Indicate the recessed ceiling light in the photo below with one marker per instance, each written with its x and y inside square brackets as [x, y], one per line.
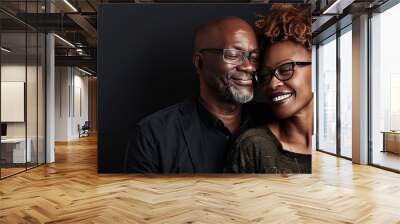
[65, 41]
[70, 5]
[84, 71]
[5, 50]
[337, 7]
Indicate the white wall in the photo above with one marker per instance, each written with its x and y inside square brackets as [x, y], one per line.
[12, 73]
[62, 81]
[71, 102]
[81, 104]
[16, 73]
[33, 126]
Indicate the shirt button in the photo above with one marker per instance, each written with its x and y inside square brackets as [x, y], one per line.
[227, 137]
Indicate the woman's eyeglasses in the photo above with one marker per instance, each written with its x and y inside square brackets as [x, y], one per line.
[283, 72]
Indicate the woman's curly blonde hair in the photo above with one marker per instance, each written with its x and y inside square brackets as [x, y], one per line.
[286, 22]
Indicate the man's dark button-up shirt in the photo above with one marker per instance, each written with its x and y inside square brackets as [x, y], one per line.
[215, 138]
[183, 138]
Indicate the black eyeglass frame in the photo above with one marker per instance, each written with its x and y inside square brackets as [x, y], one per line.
[246, 54]
[275, 72]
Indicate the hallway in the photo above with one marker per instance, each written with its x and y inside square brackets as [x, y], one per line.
[71, 191]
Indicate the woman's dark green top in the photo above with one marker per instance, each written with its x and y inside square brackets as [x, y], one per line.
[257, 150]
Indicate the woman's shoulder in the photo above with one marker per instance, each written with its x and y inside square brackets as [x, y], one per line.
[260, 138]
[253, 151]
[255, 132]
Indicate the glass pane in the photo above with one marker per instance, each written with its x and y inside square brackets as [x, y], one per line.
[385, 84]
[80, 100]
[31, 100]
[13, 86]
[327, 96]
[41, 98]
[31, 85]
[346, 94]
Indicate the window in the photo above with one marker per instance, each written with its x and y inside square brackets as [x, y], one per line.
[326, 107]
[346, 92]
[385, 88]
[22, 102]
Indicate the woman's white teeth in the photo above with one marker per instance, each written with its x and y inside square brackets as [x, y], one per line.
[281, 97]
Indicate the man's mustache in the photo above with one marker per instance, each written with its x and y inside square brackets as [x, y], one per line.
[241, 75]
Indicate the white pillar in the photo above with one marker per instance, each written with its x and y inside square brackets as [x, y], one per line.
[360, 90]
[50, 100]
[50, 92]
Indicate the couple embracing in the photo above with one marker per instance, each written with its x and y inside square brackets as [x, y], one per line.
[222, 129]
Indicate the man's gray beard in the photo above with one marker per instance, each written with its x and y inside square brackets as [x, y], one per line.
[233, 95]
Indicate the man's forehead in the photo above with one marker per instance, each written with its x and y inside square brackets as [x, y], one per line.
[240, 39]
[223, 32]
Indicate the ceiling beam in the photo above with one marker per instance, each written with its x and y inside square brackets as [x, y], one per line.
[86, 26]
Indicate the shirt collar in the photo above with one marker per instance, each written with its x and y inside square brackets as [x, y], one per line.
[213, 122]
[206, 116]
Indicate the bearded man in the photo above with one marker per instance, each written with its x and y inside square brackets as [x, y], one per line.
[192, 136]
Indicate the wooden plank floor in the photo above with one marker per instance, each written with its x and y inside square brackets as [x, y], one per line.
[10, 171]
[71, 191]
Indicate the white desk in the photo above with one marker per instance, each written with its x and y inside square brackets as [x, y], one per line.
[18, 149]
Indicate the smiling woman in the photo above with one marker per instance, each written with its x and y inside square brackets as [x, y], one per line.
[283, 145]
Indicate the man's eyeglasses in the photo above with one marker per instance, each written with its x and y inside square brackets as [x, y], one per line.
[283, 72]
[234, 56]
